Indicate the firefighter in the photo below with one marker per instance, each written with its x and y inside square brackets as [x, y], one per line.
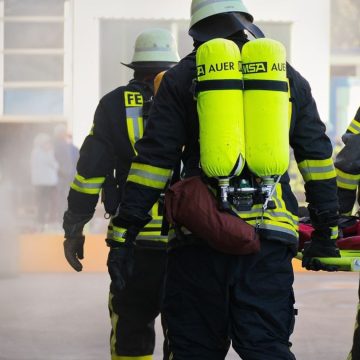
[104, 163]
[213, 298]
[347, 166]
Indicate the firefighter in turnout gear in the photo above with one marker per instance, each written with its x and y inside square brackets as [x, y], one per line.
[214, 298]
[347, 166]
[104, 163]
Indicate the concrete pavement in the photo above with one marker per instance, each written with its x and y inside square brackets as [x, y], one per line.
[63, 316]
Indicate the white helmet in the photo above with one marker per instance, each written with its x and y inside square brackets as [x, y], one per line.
[231, 17]
[154, 48]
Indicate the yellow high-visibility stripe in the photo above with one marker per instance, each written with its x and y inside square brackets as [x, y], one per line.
[317, 169]
[135, 126]
[334, 232]
[154, 212]
[114, 324]
[354, 127]
[131, 133]
[157, 238]
[149, 175]
[87, 186]
[347, 181]
[134, 121]
[116, 233]
[114, 318]
[278, 219]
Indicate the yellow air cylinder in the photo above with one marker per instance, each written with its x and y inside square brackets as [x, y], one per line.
[266, 107]
[220, 108]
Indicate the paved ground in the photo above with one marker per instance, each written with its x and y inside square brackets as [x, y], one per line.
[56, 316]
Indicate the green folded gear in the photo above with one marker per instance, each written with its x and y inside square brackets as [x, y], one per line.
[349, 260]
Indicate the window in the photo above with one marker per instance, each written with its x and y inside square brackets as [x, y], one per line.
[34, 8]
[33, 58]
[19, 35]
[33, 67]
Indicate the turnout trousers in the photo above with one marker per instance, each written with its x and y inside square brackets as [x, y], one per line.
[213, 300]
[133, 310]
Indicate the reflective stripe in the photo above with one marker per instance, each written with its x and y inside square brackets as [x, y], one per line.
[134, 121]
[334, 232]
[116, 233]
[354, 127]
[135, 125]
[154, 222]
[267, 225]
[158, 238]
[114, 322]
[347, 181]
[148, 175]
[317, 169]
[279, 219]
[87, 186]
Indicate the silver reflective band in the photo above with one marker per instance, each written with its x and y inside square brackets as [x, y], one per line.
[146, 175]
[316, 169]
[344, 180]
[87, 185]
[278, 228]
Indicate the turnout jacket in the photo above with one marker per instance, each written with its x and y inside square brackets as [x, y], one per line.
[173, 132]
[107, 152]
[347, 166]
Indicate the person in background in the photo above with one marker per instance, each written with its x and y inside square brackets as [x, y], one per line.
[64, 157]
[44, 178]
[347, 166]
[74, 152]
[105, 158]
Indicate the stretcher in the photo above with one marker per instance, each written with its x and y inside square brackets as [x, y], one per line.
[348, 243]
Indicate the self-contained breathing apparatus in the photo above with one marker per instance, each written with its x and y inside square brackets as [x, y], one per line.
[243, 108]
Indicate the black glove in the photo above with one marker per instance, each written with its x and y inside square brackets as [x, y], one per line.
[321, 244]
[121, 255]
[120, 260]
[73, 225]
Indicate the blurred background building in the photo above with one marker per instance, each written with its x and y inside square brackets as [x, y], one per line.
[58, 57]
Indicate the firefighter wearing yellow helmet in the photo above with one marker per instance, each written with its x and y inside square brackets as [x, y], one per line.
[137, 274]
[230, 111]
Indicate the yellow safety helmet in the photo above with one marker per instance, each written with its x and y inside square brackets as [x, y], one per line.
[154, 49]
[220, 18]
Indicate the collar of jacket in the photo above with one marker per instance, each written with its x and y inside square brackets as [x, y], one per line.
[240, 38]
[145, 88]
